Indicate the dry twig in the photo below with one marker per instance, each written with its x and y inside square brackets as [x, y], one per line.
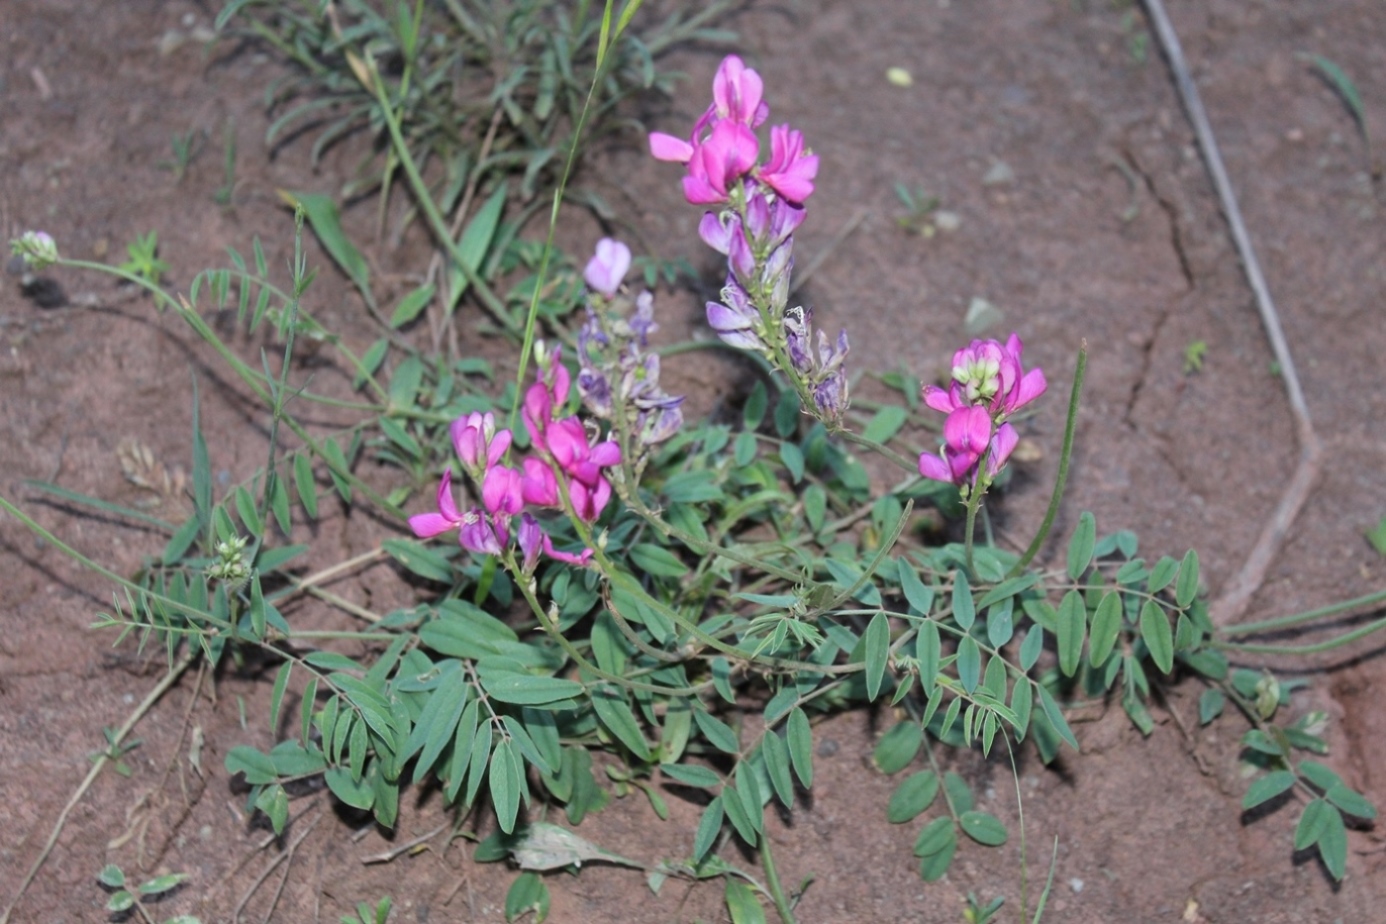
[1236, 596]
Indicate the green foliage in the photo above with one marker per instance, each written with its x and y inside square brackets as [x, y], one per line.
[127, 897]
[144, 261]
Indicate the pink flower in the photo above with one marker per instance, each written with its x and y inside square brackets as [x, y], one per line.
[428, 525]
[607, 267]
[966, 436]
[477, 442]
[501, 491]
[546, 397]
[1002, 444]
[987, 373]
[791, 169]
[581, 559]
[728, 154]
[538, 485]
[668, 148]
[530, 538]
[736, 93]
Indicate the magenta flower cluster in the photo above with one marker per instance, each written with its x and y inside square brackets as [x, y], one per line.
[988, 385]
[759, 208]
[562, 450]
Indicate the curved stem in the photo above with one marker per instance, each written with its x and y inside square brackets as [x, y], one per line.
[881, 449]
[1285, 622]
[1339, 641]
[1064, 458]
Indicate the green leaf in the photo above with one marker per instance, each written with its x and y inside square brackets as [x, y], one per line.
[1080, 547]
[657, 560]
[959, 795]
[1032, 647]
[356, 793]
[1158, 638]
[915, 793]
[527, 689]
[815, 506]
[274, 802]
[969, 663]
[692, 775]
[984, 828]
[292, 759]
[919, 595]
[1311, 823]
[928, 649]
[121, 901]
[506, 778]
[326, 223]
[528, 892]
[111, 876]
[1055, 715]
[709, 826]
[934, 866]
[307, 488]
[718, 734]
[793, 458]
[1106, 628]
[776, 754]
[1332, 842]
[257, 767]
[935, 837]
[281, 681]
[964, 607]
[412, 305]
[370, 361]
[877, 640]
[1267, 788]
[744, 448]
[1161, 575]
[787, 413]
[756, 403]
[885, 424]
[1350, 801]
[799, 737]
[1186, 589]
[1210, 705]
[1345, 88]
[437, 724]
[897, 747]
[1022, 701]
[737, 813]
[1321, 776]
[420, 559]
[1377, 536]
[742, 904]
[616, 715]
[1072, 624]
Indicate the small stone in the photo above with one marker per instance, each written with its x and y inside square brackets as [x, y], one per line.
[1000, 174]
[947, 222]
[981, 316]
[1294, 135]
[899, 77]
[827, 747]
[1075, 884]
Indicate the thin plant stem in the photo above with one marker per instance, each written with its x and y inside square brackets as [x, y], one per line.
[1065, 456]
[973, 503]
[1285, 622]
[772, 881]
[1347, 638]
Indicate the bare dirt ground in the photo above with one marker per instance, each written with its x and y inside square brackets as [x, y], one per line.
[1101, 225]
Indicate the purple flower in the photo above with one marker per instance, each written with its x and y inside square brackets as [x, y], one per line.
[580, 559]
[1002, 444]
[530, 538]
[771, 223]
[797, 338]
[479, 535]
[607, 267]
[428, 525]
[735, 319]
[791, 169]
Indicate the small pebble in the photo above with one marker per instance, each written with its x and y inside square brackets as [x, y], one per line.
[899, 77]
[1076, 884]
[1000, 174]
[827, 748]
[947, 221]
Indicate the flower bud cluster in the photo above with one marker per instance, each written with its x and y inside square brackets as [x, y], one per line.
[564, 462]
[758, 208]
[619, 378]
[988, 385]
[37, 248]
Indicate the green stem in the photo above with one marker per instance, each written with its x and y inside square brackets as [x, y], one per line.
[1347, 638]
[1285, 622]
[885, 451]
[973, 503]
[772, 882]
[1064, 458]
